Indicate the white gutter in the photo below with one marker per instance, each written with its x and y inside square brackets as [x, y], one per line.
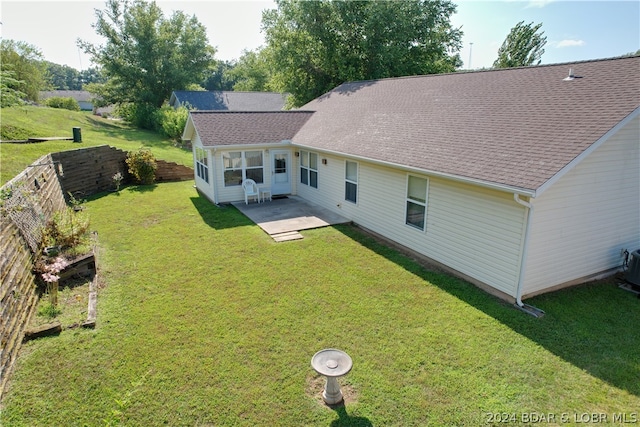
[536, 312]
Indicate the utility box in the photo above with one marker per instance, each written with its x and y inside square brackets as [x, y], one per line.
[77, 135]
[633, 272]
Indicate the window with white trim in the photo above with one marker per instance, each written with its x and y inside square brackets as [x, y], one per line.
[202, 164]
[309, 169]
[351, 181]
[416, 213]
[241, 165]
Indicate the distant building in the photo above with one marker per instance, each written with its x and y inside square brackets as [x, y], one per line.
[83, 97]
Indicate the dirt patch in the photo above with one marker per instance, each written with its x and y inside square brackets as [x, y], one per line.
[315, 386]
[73, 300]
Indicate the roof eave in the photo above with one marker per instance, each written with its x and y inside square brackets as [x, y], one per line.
[277, 144]
[458, 178]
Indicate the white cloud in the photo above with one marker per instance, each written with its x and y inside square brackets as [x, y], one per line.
[539, 4]
[570, 43]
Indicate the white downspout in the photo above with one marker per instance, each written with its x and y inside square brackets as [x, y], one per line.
[527, 308]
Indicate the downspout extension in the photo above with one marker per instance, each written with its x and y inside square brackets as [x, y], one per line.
[529, 309]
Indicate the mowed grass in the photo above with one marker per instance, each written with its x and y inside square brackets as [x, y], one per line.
[205, 320]
[31, 121]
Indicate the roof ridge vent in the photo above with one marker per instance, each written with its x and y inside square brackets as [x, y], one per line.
[570, 77]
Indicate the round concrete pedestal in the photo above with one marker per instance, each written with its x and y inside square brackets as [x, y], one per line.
[331, 363]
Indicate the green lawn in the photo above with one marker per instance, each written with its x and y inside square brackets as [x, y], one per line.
[205, 320]
[23, 122]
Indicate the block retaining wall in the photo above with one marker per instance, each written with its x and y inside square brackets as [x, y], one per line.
[29, 201]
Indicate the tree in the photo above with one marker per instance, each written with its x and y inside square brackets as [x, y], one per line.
[313, 46]
[25, 62]
[523, 46]
[219, 78]
[9, 94]
[251, 72]
[146, 56]
[63, 77]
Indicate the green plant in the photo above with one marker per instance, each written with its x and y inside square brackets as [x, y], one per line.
[117, 179]
[48, 310]
[173, 121]
[64, 103]
[68, 229]
[142, 165]
[51, 277]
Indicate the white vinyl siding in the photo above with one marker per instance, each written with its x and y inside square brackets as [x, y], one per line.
[581, 223]
[476, 231]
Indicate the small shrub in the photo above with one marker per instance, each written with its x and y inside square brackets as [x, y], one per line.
[68, 229]
[60, 102]
[117, 180]
[142, 165]
[173, 121]
[48, 311]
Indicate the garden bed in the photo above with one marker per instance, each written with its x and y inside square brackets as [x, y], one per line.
[77, 297]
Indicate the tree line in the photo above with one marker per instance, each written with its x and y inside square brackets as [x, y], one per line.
[311, 47]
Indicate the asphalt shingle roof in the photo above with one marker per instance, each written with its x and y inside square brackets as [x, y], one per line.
[218, 128]
[231, 101]
[516, 127]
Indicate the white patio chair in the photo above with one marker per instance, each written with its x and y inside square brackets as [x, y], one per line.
[250, 190]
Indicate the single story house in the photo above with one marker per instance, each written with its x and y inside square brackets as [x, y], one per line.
[84, 99]
[228, 100]
[520, 180]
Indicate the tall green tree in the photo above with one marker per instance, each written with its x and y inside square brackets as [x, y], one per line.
[10, 95]
[251, 72]
[25, 63]
[523, 46]
[146, 56]
[219, 77]
[314, 46]
[63, 77]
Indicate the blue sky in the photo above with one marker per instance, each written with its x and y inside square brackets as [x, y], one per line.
[575, 30]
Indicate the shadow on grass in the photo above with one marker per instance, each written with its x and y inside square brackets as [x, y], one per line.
[346, 420]
[141, 188]
[219, 216]
[595, 326]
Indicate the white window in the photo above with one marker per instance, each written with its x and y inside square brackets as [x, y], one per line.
[202, 164]
[416, 214]
[351, 182]
[241, 165]
[309, 169]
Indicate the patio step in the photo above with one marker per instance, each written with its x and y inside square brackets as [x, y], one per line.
[289, 235]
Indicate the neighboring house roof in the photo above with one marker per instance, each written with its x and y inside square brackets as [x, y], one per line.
[217, 128]
[228, 100]
[78, 95]
[510, 127]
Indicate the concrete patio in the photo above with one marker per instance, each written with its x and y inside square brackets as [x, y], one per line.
[283, 218]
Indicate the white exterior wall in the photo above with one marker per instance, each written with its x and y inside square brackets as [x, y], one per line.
[478, 232]
[581, 223]
[206, 188]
